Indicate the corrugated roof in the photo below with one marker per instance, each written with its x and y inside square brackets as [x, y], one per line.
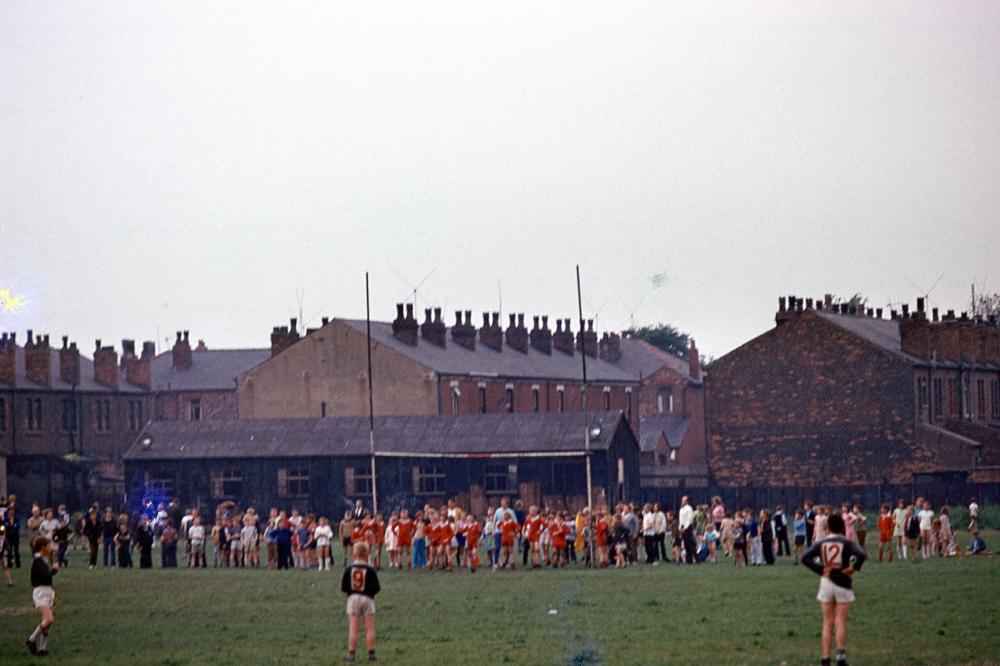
[87, 382]
[461, 434]
[457, 360]
[641, 358]
[211, 370]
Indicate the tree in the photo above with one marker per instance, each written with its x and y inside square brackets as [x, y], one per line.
[986, 305]
[663, 336]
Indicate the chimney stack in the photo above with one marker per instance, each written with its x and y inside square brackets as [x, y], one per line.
[128, 350]
[694, 362]
[586, 339]
[69, 362]
[182, 351]
[8, 355]
[517, 335]
[138, 370]
[106, 365]
[464, 334]
[610, 348]
[562, 339]
[541, 336]
[491, 334]
[404, 327]
[785, 308]
[37, 360]
[433, 329]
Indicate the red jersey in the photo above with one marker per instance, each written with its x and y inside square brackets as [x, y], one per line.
[602, 533]
[885, 527]
[357, 534]
[445, 532]
[472, 533]
[508, 531]
[379, 533]
[368, 526]
[405, 532]
[534, 524]
[559, 533]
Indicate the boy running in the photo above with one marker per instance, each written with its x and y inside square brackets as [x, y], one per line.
[43, 595]
[835, 558]
[360, 584]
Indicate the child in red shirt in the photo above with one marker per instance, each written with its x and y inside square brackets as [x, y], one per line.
[533, 532]
[508, 532]
[559, 531]
[601, 531]
[473, 530]
[885, 527]
[378, 540]
[446, 530]
[404, 532]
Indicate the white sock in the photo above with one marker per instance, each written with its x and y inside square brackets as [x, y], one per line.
[43, 641]
[35, 634]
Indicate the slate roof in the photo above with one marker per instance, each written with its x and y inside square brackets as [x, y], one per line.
[881, 332]
[87, 382]
[476, 434]
[457, 360]
[641, 358]
[211, 370]
[673, 427]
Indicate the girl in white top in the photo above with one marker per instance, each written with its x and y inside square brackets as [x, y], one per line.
[820, 531]
[926, 517]
[323, 534]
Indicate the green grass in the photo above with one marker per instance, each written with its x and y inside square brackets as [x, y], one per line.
[938, 612]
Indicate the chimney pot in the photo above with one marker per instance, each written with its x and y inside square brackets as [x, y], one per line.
[934, 314]
[97, 343]
[65, 341]
[437, 314]
[520, 320]
[31, 337]
[496, 320]
[399, 310]
[545, 322]
[409, 311]
[325, 320]
[486, 320]
[427, 315]
[781, 304]
[809, 304]
[468, 317]
[878, 313]
[185, 336]
[920, 304]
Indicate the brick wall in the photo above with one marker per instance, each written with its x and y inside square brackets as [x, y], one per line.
[215, 405]
[810, 403]
[468, 399]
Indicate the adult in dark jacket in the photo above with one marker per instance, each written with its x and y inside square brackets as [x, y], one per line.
[766, 537]
[109, 528]
[92, 532]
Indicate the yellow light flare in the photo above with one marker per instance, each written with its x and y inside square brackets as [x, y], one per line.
[11, 303]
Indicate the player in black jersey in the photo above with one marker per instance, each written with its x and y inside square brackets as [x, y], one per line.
[835, 558]
[43, 595]
[360, 584]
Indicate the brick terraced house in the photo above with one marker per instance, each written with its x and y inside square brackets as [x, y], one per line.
[837, 403]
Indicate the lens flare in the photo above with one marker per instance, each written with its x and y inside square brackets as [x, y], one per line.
[10, 302]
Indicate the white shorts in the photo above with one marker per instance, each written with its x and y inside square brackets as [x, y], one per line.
[360, 604]
[830, 592]
[43, 595]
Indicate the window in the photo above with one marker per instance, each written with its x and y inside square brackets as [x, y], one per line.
[922, 396]
[322, 409]
[102, 416]
[196, 410]
[981, 398]
[293, 482]
[994, 391]
[967, 398]
[607, 399]
[482, 399]
[3, 415]
[159, 485]
[664, 400]
[952, 398]
[500, 479]
[34, 415]
[535, 402]
[135, 415]
[560, 399]
[428, 480]
[358, 480]
[227, 483]
[509, 397]
[456, 402]
[662, 458]
[68, 413]
[938, 398]
[673, 454]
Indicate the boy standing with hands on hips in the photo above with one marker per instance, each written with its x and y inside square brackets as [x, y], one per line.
[360, 584]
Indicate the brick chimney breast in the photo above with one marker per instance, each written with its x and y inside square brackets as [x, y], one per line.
[8, 352]
[517, 334]
[37, 360]
[433, 329]
[562, 339]
[540, 336]
[464, 334]
[106, 365]
[405, 327]
[138, 370]
[694, 361]
[610, 348]
[586, 339]
[491, 335]
[69, 363]
[182, 352]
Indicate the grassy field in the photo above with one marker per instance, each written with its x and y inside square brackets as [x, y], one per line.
[937, 612]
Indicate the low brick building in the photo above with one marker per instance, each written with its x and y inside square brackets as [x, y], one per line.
[429, 368]
[842, 403]
[323, 465]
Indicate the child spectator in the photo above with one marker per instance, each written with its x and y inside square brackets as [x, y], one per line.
[196, 537]
[324, 540]
[885, 529]
[799, 527]
[123, 542]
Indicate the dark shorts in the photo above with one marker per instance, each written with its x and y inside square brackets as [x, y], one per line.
[800, 539]
[347, 542]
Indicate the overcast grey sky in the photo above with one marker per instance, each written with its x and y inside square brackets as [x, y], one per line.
[191, 165]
